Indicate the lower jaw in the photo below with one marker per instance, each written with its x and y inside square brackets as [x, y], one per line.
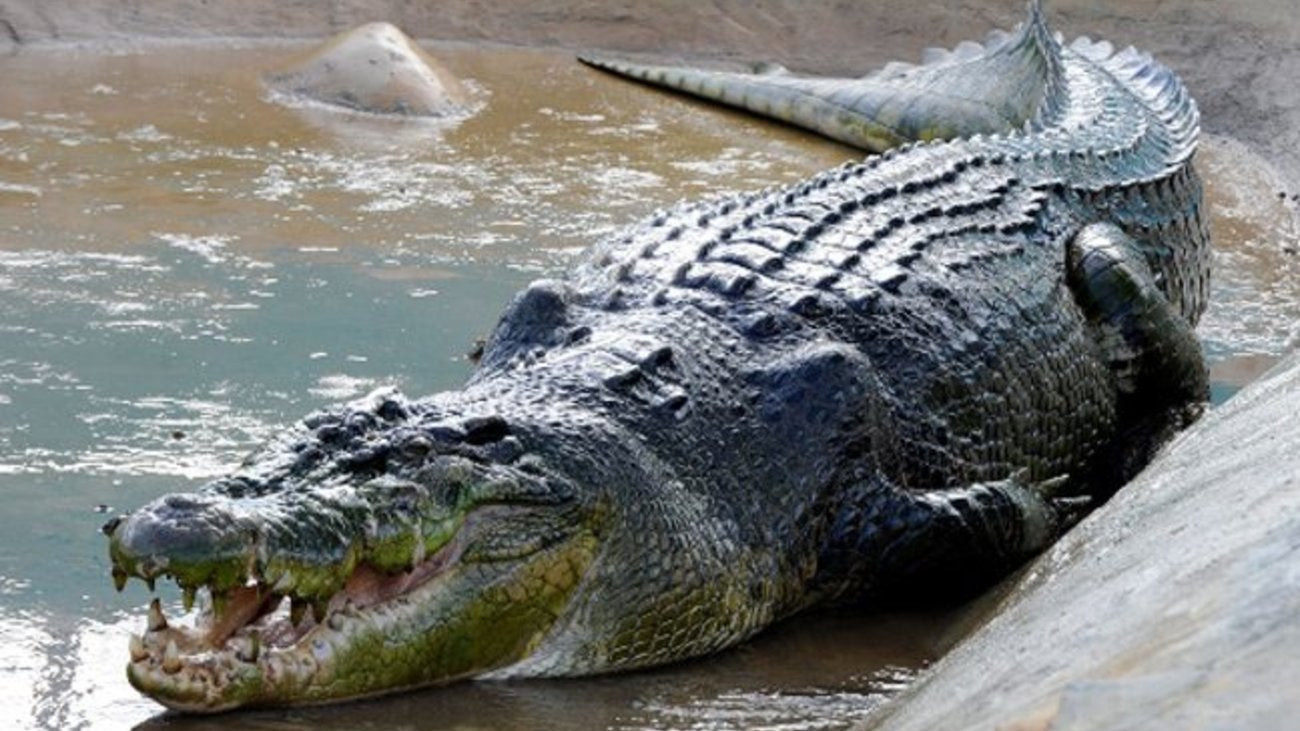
[420, 639]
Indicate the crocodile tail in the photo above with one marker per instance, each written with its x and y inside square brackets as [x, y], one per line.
[1002, 84]
[1159, 88]
[810, 103]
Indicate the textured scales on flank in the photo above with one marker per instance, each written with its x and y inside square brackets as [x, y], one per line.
[900, 377]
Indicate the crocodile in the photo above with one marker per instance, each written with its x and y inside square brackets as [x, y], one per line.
[891, 382]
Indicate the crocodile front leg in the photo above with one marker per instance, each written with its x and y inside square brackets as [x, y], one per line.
[896, 545]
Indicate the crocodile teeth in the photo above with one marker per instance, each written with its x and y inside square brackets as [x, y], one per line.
[251, 648]
[138, 650]
[157, 621]
[319, 608]
[219, 603]
[119, 578]
[284, 583]
[297, 611]
[171, 663]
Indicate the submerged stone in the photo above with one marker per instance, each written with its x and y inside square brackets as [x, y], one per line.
[1172, 606]
[374, 68]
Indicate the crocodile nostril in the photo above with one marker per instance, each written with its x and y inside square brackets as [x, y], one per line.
[112, 524]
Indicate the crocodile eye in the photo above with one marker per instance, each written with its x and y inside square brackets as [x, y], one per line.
[449, 493]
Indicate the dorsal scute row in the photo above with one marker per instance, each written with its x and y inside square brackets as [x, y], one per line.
[854, 233]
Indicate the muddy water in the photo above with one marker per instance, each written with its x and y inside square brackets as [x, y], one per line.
[184, 267]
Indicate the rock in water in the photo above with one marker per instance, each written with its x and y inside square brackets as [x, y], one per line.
[1173, 606]
[374, 68]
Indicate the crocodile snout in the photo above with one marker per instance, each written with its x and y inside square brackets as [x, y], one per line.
[177, 530]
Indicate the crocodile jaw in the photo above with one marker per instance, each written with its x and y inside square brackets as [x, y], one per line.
[447, 620]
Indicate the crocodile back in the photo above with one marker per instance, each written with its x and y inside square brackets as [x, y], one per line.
[735, 372]
[940, 265]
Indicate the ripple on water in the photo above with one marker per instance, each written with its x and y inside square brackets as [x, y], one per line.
[54, 672]
[211, 249]
[158, 435]
[375, 183]
[341, 387]
[18, 189]
[61, 261]
[1253, 316]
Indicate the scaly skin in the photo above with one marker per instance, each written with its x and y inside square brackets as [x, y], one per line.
[974, 89]
[900, 377]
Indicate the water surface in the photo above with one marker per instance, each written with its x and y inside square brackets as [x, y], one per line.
[186, 267]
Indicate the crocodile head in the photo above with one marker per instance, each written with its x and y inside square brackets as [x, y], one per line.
[365, 551]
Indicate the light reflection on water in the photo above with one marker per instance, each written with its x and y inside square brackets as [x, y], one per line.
[185, 268]
[54, 671]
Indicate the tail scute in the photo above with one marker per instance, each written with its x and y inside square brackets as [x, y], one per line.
[993, 87]
[1164, 94]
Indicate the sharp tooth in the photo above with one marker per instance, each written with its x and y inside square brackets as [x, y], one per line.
[149, 582]
[171, 663]
[157, 621]
[319, 607]
[284, 583]
[251, 649]
[138, 651]
[119, 578]
[187, 596]
[297, 611]
[219, 603]
[274, 668]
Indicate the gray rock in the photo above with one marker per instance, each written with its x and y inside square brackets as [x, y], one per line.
[1173, 606]
[374, 68]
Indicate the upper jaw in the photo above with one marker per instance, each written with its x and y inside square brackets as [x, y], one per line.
[308, 539]
[380, 482]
